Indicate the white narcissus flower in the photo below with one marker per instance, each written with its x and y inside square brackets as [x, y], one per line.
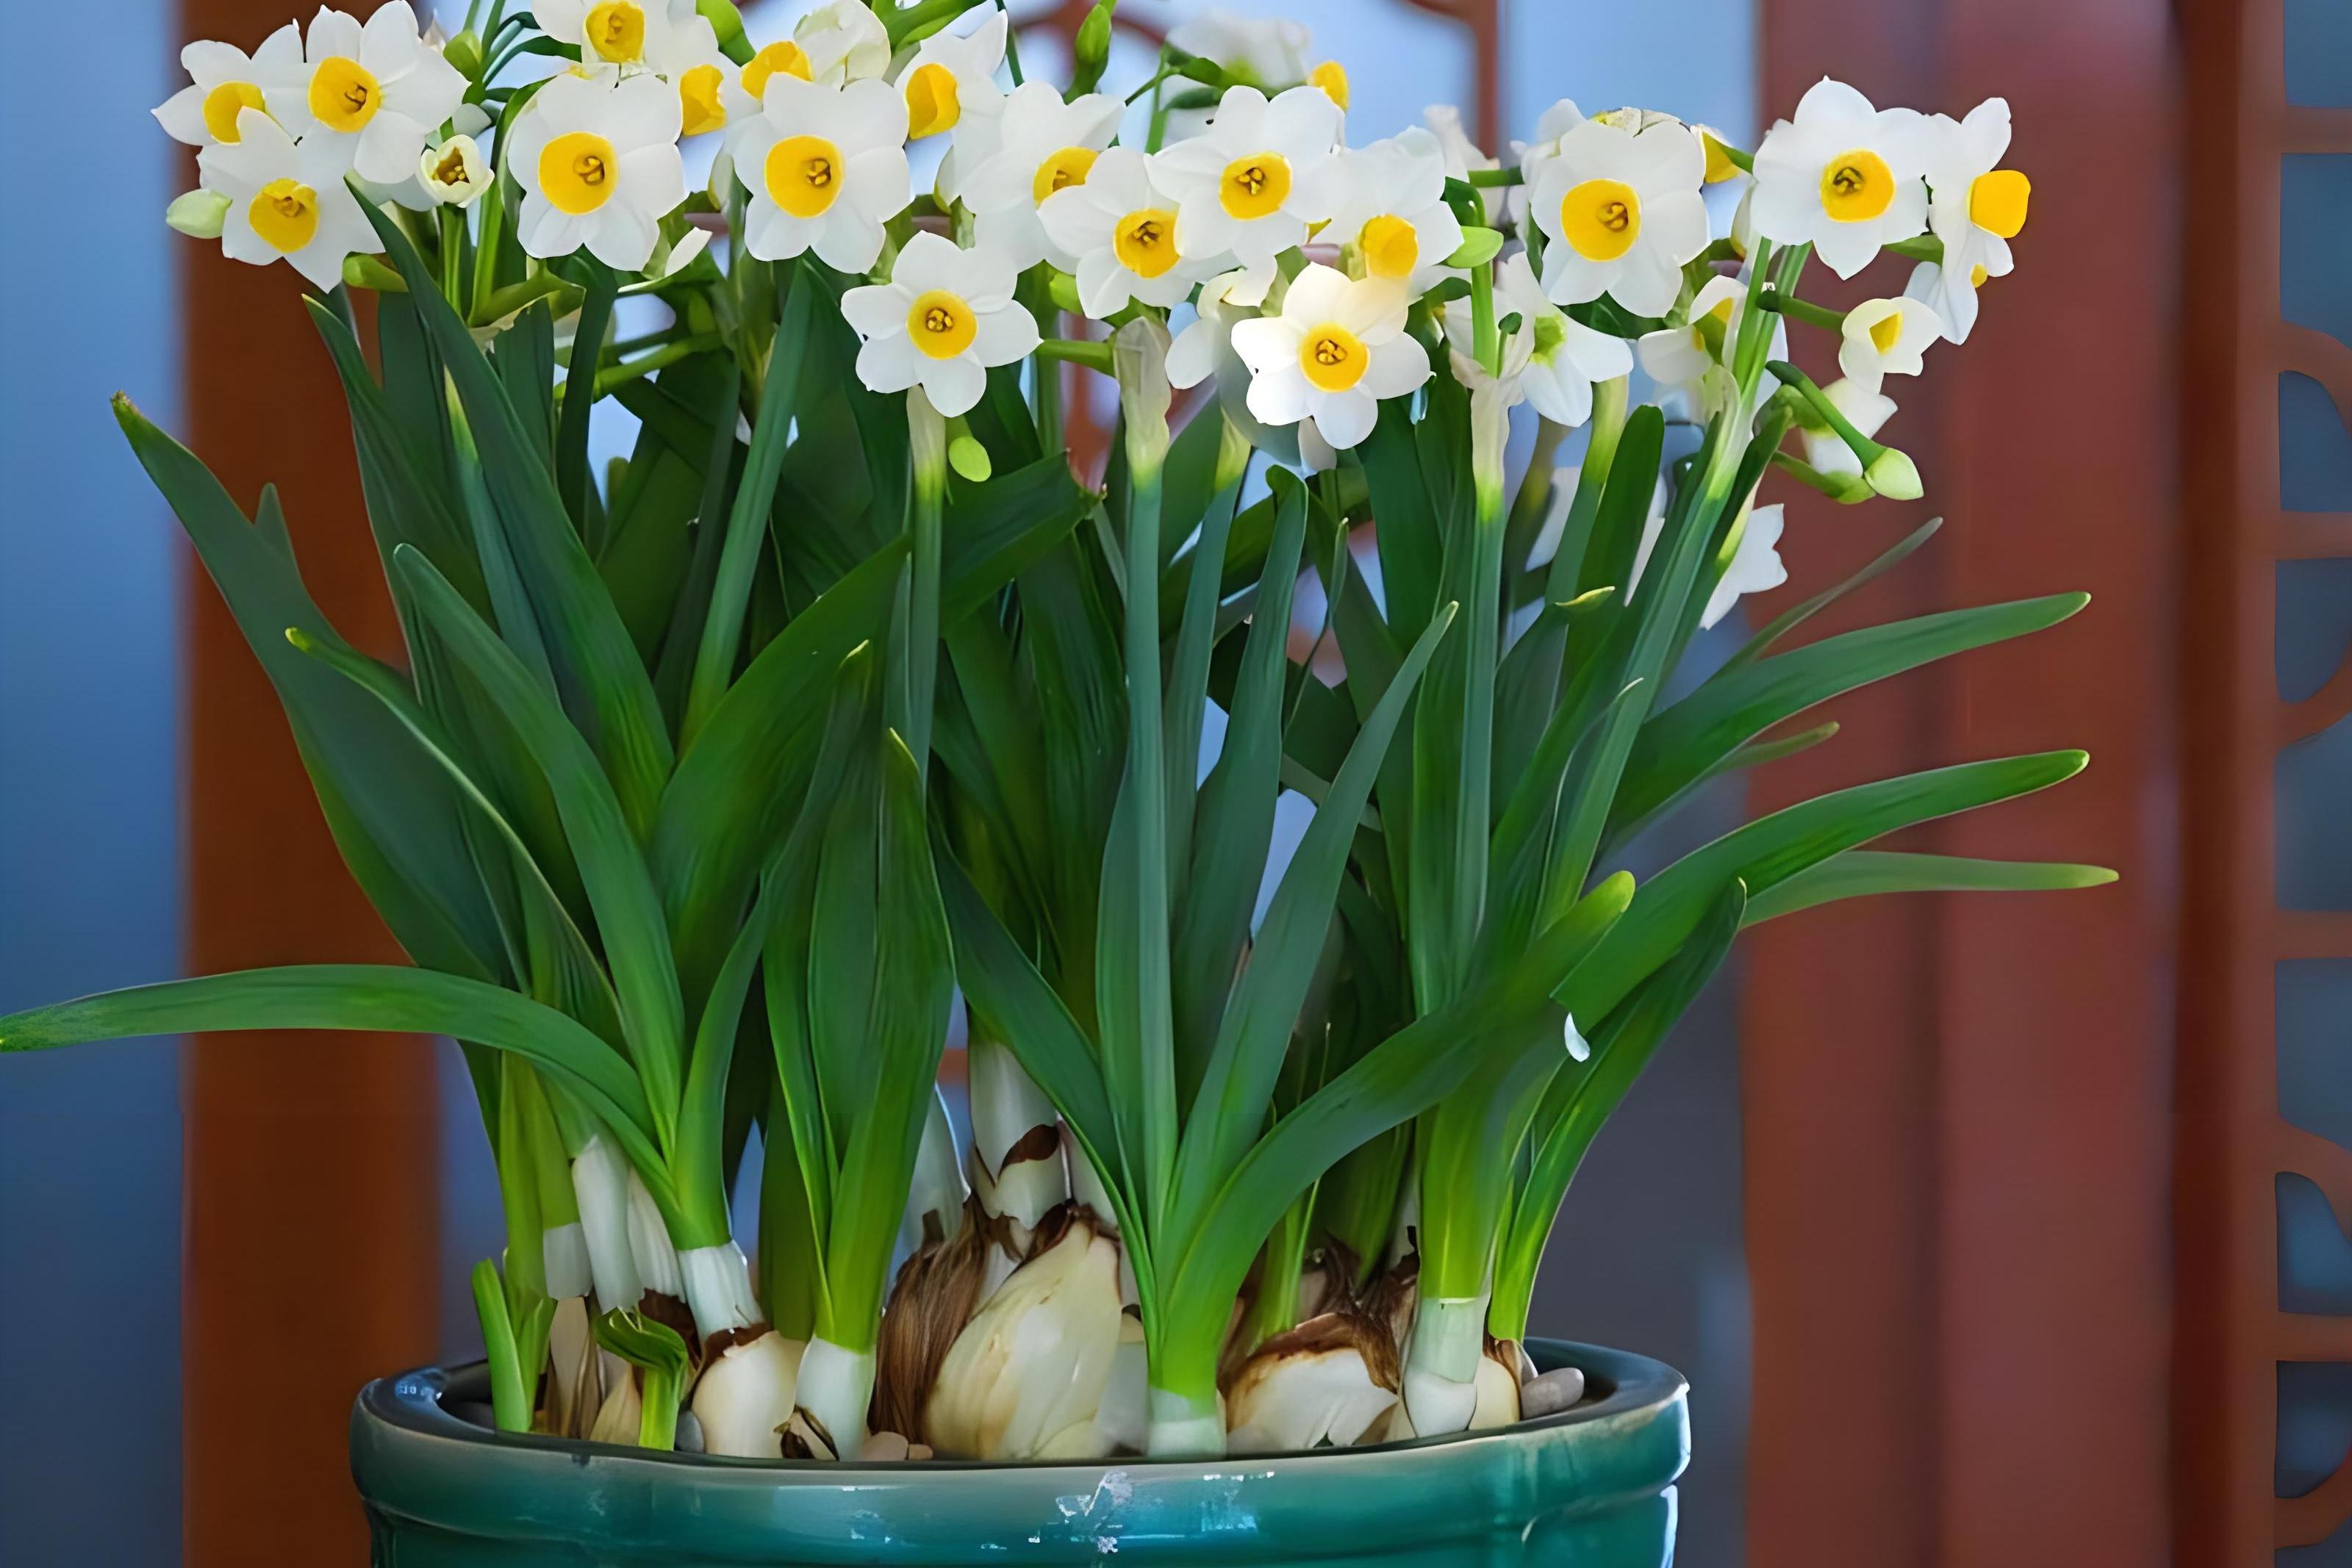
[1555, 124]
[1691, 362]
[453, 173]
[1265, 52]
[1866, 409]
[1205, 349]
[1043, 145]
[1755, 565]
[1337, 348]
[617, 35]
[285, 202]
[1119, 230]
[224, 81]
[1886, 337]
[1975, 207]
[826, 167]
[1462, 154]
[1622, 210]
[950, 89]
[1253, 183]
[599, 165]
[1842, 176]
[1388, 204]
[1556, 358]
[943, 321]
[371, 94]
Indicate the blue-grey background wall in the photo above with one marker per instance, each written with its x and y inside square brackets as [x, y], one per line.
[90, 830]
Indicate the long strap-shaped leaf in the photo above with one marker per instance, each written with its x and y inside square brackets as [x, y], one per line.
[586, 633]
[1680, 744]
[628, 913]
[371, 997]
[1772, 849]
[1860, 874]
[1230, 1109]
[394, 816]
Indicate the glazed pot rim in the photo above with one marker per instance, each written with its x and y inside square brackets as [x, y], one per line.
[1635, 1384]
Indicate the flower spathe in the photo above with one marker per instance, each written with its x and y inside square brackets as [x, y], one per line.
[223, 81]
[599, 167]
[1338, 347]
[1842, 176]
[1253, 181]
[1621, 210]
[371, 94]
[826, 168]
[1119, 230]
[286, 202]
[1043, 145]
[1389, 210]
[943, 321]
[1886, 337]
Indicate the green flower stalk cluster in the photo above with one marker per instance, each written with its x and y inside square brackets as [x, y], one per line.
[713, 782]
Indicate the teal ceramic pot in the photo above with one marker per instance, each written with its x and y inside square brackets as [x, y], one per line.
[1589, 1487]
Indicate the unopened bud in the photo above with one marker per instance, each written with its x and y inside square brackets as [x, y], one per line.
[1478, 247]
[464, 52]
[1893, 475]
[1064, 290]
[198, 214]
[970, 459]
[1091, 48]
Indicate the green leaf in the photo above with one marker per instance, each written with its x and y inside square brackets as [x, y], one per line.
[1683, 744]
[374, 997]
[595, 656]
[660, 1353]
[1772, 849]
[394, 816]
[1858, 874]
[997, 530]
[1238, 1084]
[572, 481]
[628, 912]
[1796, 615]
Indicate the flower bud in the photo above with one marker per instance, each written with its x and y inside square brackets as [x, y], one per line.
[1893, 475]
[453, 173]
[1092, 49]
[1479, 245]
[198, 214]
[464, 52]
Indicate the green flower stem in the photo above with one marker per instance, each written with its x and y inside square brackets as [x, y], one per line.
[509, 1396]
[498, 303]
[1846, 487]
[1805, 310]
[1489, 178]
[926, 440]
[667, 354]
[1862, 445]
[1275, 1308]
[1036, 292]
[1919, 247]
[1607, 426]
[1486, 340]
[1077, 351]
[919, 22]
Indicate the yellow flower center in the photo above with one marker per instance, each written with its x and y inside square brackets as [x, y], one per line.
[450, 169]
[804, 175]
[616, 30]
[697, 96]
[1392, 250]
[1257, 185]
[933, 102]
[1719, 166]
[1601, 219]
[1332, 77]
[1997, 201]
[285, 214]
[1064, 169]
[1857, 186]
[1145, 241]
[224, 103]
[1333, 358]
[577, 171]
[343, 96]
[1886, 331]
[940, 324]
[786, 56]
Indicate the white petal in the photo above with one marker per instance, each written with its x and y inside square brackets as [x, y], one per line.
[876, 309]
[955, 386]
[1004, 336]
[653, 179]
[1317, 294]
[868, 114]
[182, 115]
[1192, 356]
[879, 185]
[847, 241]
[1833, 103]
[1267, 344]
[889, 364]
[623, 237]
[1396, 368]
[1280, 396]
[1344, 419]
